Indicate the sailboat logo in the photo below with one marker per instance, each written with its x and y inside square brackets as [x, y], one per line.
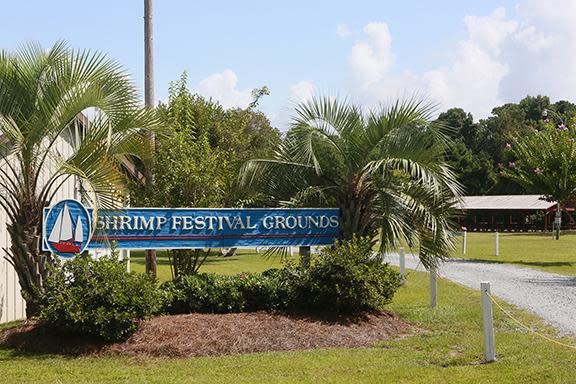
[67, 228]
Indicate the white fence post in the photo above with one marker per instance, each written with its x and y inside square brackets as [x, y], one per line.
[464, 242]
[402, 265]
[497, 244]
[126, 257]
[488, 317]
[433, 287]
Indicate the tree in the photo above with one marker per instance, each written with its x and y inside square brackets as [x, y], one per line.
[475, 172]
[461, 125]
[475, 168]
[41, 94]
[385, 171]
[545, 163]
[198, 158]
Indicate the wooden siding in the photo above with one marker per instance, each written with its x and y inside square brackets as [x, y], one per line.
[13, 307]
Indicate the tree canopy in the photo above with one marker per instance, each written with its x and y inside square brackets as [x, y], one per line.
[42, 94]
[204, 146]
[479, 151]
[385, 171]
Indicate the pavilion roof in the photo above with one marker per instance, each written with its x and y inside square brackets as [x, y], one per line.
[505, 202]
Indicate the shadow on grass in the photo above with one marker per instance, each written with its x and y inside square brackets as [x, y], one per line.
[543, 235]
[543, 264]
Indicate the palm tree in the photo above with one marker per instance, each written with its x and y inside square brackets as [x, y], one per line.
[545, 163]
[385, 170]
[42, 93]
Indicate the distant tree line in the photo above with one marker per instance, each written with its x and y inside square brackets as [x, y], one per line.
[480, 153]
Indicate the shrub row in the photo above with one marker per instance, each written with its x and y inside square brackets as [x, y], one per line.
[344, 279]
[211, 293]
[98, 298]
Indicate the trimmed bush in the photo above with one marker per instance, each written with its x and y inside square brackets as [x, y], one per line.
[245, 292]
[98, 298]
[203, 293]
[343, 279]
[346, 279]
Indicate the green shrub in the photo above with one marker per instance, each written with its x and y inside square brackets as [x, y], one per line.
[97, 298]
[343, 279]
[203, 293]
[270, 290]
[346, 278]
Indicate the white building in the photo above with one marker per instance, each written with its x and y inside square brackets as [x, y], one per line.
[12, 305]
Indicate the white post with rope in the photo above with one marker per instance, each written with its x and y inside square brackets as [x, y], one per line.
[464, 242]
[488, 318]
[402, 265]
[433, 287]
[497, 244]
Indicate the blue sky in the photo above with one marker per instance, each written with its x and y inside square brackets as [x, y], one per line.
[474, 54]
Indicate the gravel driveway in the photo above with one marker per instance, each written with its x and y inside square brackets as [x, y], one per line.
[548, 295]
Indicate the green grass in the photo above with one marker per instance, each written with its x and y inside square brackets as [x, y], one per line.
[446, 349]
[534, 250]
[242, 261]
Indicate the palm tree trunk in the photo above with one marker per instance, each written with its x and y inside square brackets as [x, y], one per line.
[30, 263]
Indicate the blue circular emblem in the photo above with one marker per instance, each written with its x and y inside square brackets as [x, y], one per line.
[67, 228]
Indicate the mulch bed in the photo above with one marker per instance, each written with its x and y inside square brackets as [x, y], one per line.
[212, 335]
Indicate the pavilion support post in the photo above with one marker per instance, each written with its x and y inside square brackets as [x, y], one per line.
[558, 220]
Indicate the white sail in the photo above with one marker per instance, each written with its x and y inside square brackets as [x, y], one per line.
[66, 231]
[55, 233]
[79, 232]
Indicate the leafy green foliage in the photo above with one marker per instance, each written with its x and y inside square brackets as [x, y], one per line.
[345, 279]
[203, 293]
[98, 298]
[385, 172]
[43, 93]
[198, 158]
[545, 162]
[480, 151]
[475, 172]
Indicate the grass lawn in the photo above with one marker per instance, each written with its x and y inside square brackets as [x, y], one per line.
[534, 250]
[245, 260]
[447, 349]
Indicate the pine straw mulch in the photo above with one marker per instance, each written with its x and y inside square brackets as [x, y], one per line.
[213, 335]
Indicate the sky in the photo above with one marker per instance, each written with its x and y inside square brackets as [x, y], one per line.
[470, 54]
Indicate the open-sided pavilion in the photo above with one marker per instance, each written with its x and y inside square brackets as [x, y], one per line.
[511, 213]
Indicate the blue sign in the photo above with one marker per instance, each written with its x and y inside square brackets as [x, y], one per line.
[67, 228]
[172, 228]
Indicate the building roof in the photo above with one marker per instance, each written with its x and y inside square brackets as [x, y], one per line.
[505, 202]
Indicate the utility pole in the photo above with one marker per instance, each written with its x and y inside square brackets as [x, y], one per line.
[149, 102]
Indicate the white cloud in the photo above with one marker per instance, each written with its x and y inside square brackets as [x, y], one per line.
[302, 91]
[343, 30]
[370, 60]
[501, 59]
[222, 87]
[472, 80]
